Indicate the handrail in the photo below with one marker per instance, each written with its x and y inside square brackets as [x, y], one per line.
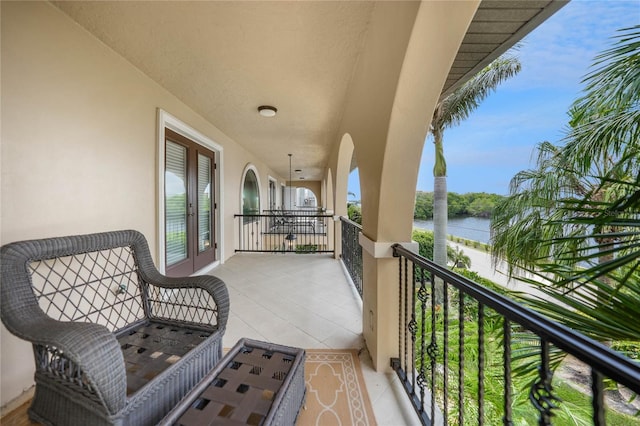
[426, 348]
[608, 362]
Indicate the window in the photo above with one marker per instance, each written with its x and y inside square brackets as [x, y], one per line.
[250, 196]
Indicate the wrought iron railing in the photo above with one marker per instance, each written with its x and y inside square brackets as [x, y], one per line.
[352, 251]
[468, 355]
[284, 231]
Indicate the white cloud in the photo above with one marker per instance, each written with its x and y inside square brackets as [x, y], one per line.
[560, 51]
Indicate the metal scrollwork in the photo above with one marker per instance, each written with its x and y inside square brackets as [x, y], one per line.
[432, 350]
[413, 328]
[423, 294]
[542, 397]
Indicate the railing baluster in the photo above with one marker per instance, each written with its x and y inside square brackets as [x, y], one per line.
[541, 395]
[423, 296]
[480, 364]
[507, 419]
[432, 350]
[413, 325]
[405, 327]
[597, 398]
[460, 357]
[445, 350]
[400, 313]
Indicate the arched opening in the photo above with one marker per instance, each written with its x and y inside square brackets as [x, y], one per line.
[250, 196]
[306, 198]
[345, 160]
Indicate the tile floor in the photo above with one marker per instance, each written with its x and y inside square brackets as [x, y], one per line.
[306, 301]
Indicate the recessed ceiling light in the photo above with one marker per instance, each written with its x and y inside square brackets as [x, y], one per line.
[267, 111]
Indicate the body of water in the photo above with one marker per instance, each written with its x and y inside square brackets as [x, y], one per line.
[471, 228]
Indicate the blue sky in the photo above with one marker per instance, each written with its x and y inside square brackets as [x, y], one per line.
[498, 139]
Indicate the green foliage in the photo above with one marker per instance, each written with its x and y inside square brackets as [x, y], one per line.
[425, 243]
[355, 213]
[456, 204]
[458, 259]
[306, 248]
[480, 204]
[424, 205]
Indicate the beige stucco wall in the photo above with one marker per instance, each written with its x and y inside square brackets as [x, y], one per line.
[409, 49]
[79, 146]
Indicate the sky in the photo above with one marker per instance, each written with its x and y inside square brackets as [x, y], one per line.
[498, 139]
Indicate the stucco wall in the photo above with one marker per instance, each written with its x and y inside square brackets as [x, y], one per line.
[79, 146]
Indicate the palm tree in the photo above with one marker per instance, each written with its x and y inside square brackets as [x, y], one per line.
[459, 259]
[574, 220]
[579, 206]
[449, 112]
[531, 225]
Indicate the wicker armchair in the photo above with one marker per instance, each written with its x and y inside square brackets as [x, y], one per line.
[115, 342]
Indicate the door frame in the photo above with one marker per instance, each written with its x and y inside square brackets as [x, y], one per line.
[166, 120]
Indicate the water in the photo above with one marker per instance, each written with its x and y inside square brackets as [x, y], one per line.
[471, 228]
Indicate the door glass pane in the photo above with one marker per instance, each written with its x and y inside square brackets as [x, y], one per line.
[204, 203]
[175, 193]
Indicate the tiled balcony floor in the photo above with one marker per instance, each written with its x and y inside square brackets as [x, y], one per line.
[306, 301]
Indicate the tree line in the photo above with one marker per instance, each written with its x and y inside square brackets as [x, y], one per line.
[480, 204]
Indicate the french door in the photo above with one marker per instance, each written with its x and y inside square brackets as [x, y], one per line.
[189, 205]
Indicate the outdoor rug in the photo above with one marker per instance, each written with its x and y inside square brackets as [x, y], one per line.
[336, 392]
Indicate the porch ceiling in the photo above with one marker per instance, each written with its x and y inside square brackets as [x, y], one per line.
[226, 58]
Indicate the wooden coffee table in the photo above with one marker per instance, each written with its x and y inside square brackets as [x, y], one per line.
[255, 383]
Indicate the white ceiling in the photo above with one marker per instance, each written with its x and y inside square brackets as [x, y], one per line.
[226, 58]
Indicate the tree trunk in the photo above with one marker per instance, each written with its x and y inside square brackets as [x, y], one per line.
[440, 220]
[440, 211]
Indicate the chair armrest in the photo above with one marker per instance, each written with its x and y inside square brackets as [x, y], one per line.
[92, 348]
[185, 296]
[150, 275]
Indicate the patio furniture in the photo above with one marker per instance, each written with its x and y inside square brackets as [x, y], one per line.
[115, 342]
[256, 383]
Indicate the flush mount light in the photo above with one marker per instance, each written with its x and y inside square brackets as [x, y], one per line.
[267, 111]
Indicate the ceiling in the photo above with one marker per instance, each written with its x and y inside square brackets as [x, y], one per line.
[226, 58]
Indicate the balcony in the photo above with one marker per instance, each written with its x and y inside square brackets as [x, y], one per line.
[307, 301]
[367, 99]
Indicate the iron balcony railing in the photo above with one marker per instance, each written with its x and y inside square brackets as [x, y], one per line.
[284, 231]
[467, 355]
[352, 251]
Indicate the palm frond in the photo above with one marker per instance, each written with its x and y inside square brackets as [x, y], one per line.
[458, 105]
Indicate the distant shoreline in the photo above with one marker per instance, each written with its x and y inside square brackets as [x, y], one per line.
[471, 228]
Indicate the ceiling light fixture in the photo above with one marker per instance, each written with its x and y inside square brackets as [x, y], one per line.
[267, 111]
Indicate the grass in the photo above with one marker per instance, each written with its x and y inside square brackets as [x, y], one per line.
[470, 243]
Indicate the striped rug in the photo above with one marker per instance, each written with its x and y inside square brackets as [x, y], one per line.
[336, 393]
